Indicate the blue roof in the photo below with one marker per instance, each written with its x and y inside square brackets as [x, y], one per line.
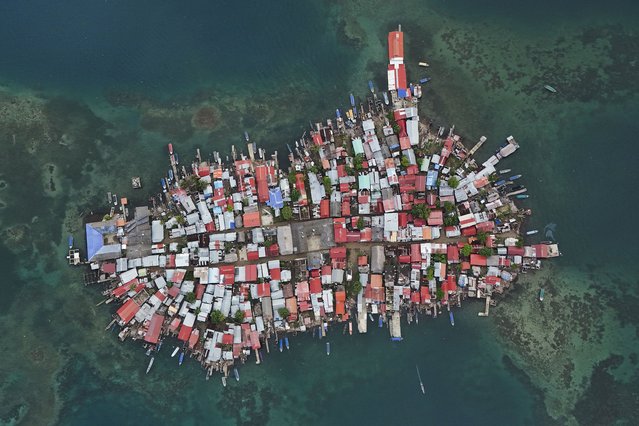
[94, 241]
[401, 93]
[275, 198]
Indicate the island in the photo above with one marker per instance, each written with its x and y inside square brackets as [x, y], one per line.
[372, 216]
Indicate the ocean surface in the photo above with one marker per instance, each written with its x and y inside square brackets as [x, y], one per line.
[91, 92]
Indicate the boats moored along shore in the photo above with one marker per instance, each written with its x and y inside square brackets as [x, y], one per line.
[234, 256]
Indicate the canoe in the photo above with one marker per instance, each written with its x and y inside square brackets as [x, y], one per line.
[328, 348]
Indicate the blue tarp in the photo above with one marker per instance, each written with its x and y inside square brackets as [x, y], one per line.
[401, 93]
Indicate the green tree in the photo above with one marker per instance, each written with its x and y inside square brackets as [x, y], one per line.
[449, 207]
[292, 177]
[295, 194]
[328, 186]
[229, 207]
[189, 297]
[453, 182]
[451, 220]
[239, 316]
[358, 162]
[360, 223]
[287, 213]
[284, 313]
[440, 294]
[520, 242]
[353, 288]
[217, 317]
[405, 162]
[482, 237]
[486, 251]
[421, 211]
[466, 250]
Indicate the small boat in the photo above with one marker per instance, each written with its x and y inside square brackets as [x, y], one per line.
[224, 381]
[286, 343]
[522, 196]
[175, 351]
[246, 136]
[281, 345]
[109, 197]
[424, 80]
[148, 368]
[515, 177]
[421, 384]
[370, 316]
[236, 374]
[159, 346]
[354, 111]
[170, 149]
[337, 113]
[170, 175]
[328, 348]
[352, 100]
[452, 318]
[503, 172]
[550, 88]
[163, 182]
[148, 352]
[350, 328]
[380, 321]
[385, 98]
[517, 188]
[70, 241]
[181, 358]
[370, 86]
[533, 232]
[325, 326]
[424, 64]
[177, 159]
[500, 182]
[541, 295]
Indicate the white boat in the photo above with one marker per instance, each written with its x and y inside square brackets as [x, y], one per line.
[224, 381]
[533, 232]
[150, 365]
[503, 172]
[328, 348]
[421, 384]
[424, 64]
[550, 88]
[236, 374]
[175, 351]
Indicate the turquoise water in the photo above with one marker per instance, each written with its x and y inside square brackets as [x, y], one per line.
[90, 93]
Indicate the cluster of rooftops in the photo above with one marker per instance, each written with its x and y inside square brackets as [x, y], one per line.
[377, 214]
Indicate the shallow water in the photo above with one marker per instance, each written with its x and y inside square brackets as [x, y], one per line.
[96, 91]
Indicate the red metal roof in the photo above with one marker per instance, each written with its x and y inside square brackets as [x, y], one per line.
[477, 260]
[452, 253]
[185, 333]
[324, 208]
[395, 44]
[337, 253]
[155, 327]
[128, 310]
